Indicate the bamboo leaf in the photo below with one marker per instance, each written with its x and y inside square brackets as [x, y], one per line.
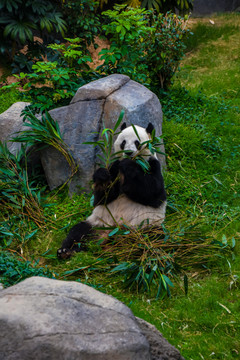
[120, 118]
[113, 232]
[135, 130]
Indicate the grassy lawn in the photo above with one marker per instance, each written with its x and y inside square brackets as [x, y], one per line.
[206, 322]
[201, 134]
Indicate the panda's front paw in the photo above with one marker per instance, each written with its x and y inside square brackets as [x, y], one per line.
[101, 176]
[64, 253]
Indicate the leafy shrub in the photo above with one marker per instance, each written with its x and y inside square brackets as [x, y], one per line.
[145, 46]
[127, 31]
[53, 83]
[23, 61]
[13, 269]
[165, 47]
[19, 19]
[82, 19]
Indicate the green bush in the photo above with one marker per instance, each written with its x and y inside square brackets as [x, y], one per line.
[165, 47]
[54, 83]
[145, 46]
[20, 19]
[127, 30]
[82, 19]
[23, 62]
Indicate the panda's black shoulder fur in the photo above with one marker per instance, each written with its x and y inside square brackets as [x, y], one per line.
[143, 188]
[146, 188]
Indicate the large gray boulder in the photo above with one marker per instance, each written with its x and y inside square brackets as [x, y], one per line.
[10, 123]
[46, 319]
[95, 105]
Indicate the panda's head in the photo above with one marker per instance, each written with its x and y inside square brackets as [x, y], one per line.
[129, 143]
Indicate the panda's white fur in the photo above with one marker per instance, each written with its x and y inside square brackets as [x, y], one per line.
[123, 210]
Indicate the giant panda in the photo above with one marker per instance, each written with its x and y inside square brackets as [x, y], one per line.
[124, 193]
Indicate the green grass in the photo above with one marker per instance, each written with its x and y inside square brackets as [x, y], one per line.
[202, 325]
[201, 134]
[7, 98]
[212, 65]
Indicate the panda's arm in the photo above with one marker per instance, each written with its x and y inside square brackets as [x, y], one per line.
[106, 184]
[144, 188]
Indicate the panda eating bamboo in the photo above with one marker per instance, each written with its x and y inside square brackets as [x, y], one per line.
[124, 193]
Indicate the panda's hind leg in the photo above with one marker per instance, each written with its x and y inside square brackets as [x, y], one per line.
[75, 240]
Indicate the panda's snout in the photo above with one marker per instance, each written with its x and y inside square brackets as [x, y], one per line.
[129, 153]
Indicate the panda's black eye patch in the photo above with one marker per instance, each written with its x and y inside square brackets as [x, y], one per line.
[137, 144]
[122, 146]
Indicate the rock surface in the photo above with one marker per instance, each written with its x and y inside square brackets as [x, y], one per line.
[159, 347]
[97, 103]
[46, 319]
[11, 122]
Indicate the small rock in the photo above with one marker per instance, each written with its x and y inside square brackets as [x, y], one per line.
[10, 123]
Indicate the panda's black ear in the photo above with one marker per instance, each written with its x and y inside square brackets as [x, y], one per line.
[124, 125]
[149, 128]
